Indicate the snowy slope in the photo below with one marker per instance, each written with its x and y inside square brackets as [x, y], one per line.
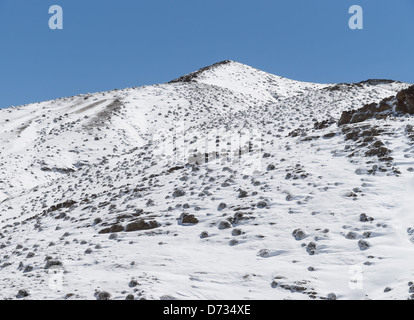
[228, 183]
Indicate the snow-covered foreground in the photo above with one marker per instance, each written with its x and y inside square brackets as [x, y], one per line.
[228, 183]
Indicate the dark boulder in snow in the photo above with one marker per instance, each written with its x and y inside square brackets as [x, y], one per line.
[363, 244]
[141, 225]
[311, 248]
[103, 295]
[243, 193]
[52, 263]
[224, 224]
[187, 218]
[178, 193]
[364, 218]
[299, 234]
[22, 294]
[113, 229]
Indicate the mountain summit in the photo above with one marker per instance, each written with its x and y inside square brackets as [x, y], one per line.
[226, 183]
[194, 76]
[245, 79]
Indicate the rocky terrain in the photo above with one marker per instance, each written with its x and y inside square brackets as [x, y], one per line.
[227, 183]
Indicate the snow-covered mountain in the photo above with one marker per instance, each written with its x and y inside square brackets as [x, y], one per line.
[227, 183]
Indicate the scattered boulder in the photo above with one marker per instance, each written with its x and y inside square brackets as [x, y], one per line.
[364, 218]
[69, 295]
[113, 229]
[331, 296]
[22, 294]
[133, 283]
[299, 234]
[236, 232]
[311, 248]
[363, 244]
[187, 218]
[103, 295]
[264, 253]
[171, 170]
[204, 235]
[178, 193]
[224, 224]
[28, 268]
[141, 225]
[243, 193]
[351, 235]
[323, 124]
[53, 263]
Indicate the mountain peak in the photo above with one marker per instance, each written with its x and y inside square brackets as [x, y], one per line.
[193, 76]
[241, 78]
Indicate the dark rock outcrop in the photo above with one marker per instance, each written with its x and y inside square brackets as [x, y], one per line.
[113, 229]
[141, 225]
[403, 103]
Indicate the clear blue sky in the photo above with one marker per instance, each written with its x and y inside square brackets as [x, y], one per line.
[107, 44]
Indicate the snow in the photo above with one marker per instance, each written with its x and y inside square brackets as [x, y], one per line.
[120, 155]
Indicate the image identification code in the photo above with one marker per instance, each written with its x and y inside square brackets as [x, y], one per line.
[216, 309]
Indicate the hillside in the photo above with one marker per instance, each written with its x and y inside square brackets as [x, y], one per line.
[227, 183]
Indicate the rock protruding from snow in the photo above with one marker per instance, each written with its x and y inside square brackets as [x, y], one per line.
[403, 103]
